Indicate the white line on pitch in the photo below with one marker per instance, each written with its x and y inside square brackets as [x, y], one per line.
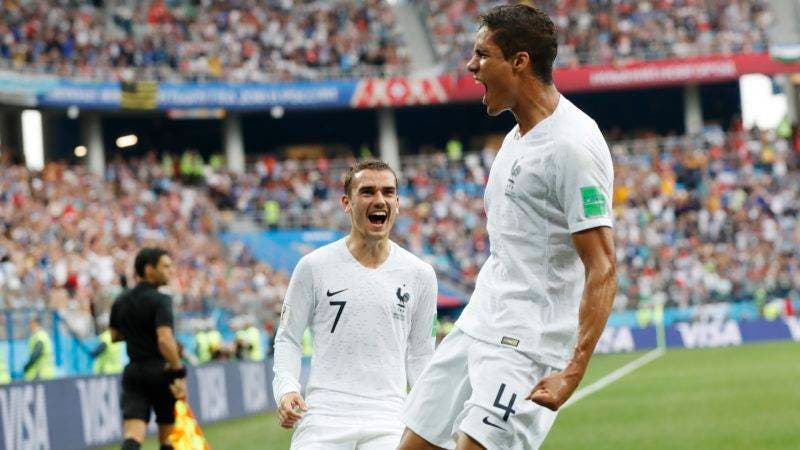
[613, 376]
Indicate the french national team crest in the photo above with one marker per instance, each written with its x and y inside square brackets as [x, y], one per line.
[512, 178]
[399, 308]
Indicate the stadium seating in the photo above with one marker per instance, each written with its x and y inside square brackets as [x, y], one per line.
[292, 39]
[699, 219]
[67, 236]
[599, 32]
[183, 40]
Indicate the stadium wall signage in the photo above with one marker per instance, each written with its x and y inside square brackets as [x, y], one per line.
[700, 334]
[39, 90]
[662, 73]
[51, 91]
[83, 412]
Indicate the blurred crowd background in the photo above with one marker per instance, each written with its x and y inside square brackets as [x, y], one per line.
[279, 40]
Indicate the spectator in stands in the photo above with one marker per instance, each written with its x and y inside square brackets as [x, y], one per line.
[41, 364]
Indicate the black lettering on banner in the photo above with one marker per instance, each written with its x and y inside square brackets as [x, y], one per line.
[509, 409]
[340, 304]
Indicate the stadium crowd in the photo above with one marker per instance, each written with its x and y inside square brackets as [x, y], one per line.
[601, 32]
[67, 240]
[174, 40]
[246, 40]
[699, 219]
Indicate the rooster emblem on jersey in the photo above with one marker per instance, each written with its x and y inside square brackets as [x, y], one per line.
[512, 179]
[404, 298]
[399, 308]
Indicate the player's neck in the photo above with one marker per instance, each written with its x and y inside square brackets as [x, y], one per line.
[535, 104]
[369, 253]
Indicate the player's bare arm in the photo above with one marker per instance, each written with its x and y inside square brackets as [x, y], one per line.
[169, 349]
[596, 249]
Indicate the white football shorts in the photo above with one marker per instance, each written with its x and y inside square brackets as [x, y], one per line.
[324, 432]
[479, 389]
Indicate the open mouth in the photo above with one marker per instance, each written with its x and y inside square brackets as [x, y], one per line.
[485, 88]
[378, 218]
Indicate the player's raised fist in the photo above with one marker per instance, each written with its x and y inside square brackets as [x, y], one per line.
[554, 390]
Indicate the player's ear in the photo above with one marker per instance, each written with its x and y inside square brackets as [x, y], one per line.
[346, 203]
[520, 61]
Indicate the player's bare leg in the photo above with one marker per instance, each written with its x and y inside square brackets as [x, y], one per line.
[465, 442]
[133, 430]
[412, 441]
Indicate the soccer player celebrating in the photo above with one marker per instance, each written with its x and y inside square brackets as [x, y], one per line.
[370, 306]
[541, 300]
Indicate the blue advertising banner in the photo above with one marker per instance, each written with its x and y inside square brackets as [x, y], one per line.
[699, 334]
[83, 412]
[327, 94]
[48, 90]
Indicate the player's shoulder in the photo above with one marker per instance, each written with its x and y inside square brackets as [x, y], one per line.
[576, 135]
[574, 127]
[510, 136]
[322, 255]
[408, 259]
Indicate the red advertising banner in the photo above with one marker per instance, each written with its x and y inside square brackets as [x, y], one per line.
[400, 91]
[708, 69]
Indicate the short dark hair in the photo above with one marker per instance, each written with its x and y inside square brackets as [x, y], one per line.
[524, 28]
[365, 165]
[147, 256]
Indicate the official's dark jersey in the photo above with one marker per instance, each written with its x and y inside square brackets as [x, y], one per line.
[136, 314]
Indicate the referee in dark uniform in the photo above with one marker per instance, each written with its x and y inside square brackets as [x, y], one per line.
[155, 376]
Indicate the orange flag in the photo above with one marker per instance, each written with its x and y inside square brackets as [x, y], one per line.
[187, 435]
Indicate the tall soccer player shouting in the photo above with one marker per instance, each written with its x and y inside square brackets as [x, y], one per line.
[543, 296]
[370, 306]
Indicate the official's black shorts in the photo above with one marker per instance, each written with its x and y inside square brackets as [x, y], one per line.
[144, 386]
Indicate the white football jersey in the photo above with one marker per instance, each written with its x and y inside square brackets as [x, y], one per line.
[372, 331]
[555, 180]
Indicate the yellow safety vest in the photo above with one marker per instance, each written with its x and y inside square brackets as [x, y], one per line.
[203, 351]
[44, 368]
[252, 337]
[214, 340]
[110, 361]
[272, 212]
[5, 376]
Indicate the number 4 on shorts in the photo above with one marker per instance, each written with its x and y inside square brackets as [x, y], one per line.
[509, 409]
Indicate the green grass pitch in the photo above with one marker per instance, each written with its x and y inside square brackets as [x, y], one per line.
[734, 398]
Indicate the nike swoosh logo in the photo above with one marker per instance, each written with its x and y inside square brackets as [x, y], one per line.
[486, 421]
[331, 294]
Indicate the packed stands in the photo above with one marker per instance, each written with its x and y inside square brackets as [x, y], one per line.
[600, 32]
[699, 219]
[67, 242]
[172, 40]
[210, 40]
